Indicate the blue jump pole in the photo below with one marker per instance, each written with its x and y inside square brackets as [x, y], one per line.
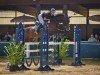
[44, 64]
[77, 48]
[20, 38]
[56, 60]
[20, 33]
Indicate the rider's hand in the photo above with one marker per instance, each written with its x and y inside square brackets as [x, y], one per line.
[45, 18]
[49, 21]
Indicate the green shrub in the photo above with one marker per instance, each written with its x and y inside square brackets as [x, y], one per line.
[63, 49]
[15, 53]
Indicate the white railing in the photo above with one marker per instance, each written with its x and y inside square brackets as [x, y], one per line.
[3, 42]
[50, 43]
[28, 51]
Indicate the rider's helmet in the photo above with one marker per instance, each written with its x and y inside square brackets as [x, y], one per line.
[53, 10]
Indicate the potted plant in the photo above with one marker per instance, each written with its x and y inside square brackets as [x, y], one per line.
[63, 49]
[15, 55]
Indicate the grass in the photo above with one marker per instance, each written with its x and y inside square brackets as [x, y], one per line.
[92, 67]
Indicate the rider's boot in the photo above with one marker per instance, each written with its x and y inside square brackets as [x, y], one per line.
[36, 29]
[36, 32]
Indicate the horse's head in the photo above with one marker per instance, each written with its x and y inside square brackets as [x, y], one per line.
[63, 21]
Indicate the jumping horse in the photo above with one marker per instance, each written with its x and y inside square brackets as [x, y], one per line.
[58, 24]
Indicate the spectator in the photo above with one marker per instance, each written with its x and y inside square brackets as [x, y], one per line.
[13, 37]
[96, 37]
[6, 38]
[92, 39]
[9, 35]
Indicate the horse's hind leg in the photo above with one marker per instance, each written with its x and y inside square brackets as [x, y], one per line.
[50, 38]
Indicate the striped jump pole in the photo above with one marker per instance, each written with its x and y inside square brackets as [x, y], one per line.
[44, 45]
[77, 48]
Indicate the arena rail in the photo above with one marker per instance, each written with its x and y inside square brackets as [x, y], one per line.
[28, 51]
[50, 43]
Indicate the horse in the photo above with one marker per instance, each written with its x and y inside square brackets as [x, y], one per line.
[58, 24]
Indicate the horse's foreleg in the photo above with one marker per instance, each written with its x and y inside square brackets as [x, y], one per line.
[50, 37]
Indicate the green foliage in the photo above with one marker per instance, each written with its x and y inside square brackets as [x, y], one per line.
[15, 53]
[63, 49]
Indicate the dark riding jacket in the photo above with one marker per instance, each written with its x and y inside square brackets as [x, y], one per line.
[47, 15]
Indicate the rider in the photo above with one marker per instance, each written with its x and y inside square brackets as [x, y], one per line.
[44, 16]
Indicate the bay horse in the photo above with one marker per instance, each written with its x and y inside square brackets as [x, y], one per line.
[58, 24]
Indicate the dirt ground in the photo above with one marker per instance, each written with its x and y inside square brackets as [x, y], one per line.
[92, 67]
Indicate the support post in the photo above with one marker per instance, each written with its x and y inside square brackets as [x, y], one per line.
[65, 9]
[44, 62]
[56, 60]
[38, 7]
[20, 38]
[20, 33]
[65, 12]
[77, 47]
[87, 24]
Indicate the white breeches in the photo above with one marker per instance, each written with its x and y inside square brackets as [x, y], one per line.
[40, 19]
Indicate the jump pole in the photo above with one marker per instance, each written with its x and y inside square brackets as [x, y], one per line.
[77, 47]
